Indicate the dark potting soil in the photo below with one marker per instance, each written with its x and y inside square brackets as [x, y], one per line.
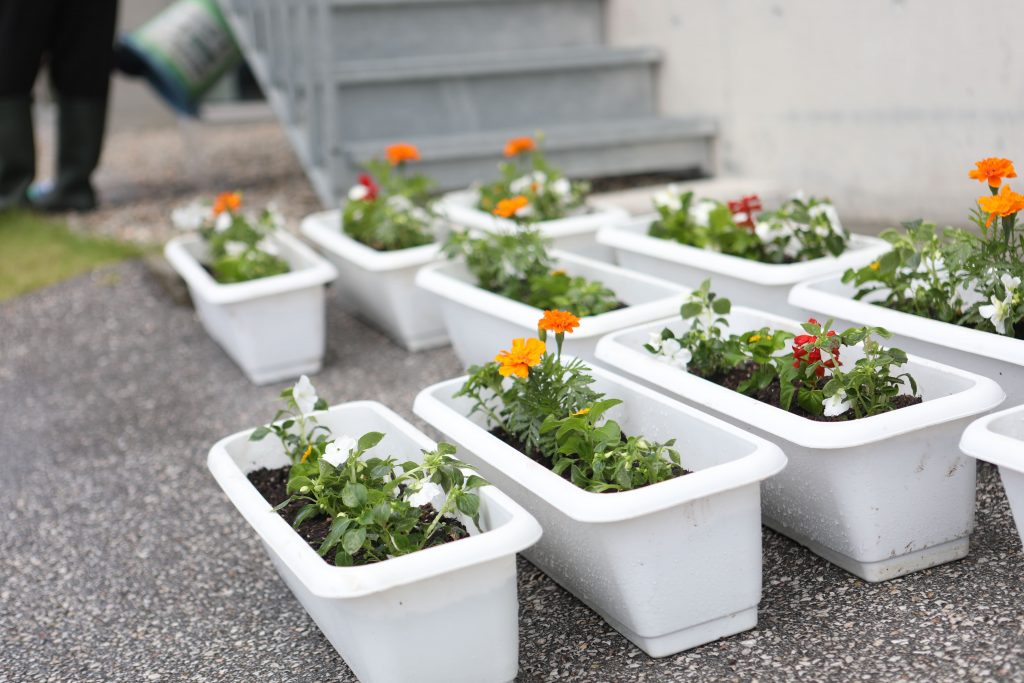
[771, 393]
[273, 486]
[540, 458]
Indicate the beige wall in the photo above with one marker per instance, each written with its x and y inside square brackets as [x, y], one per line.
[882, 104]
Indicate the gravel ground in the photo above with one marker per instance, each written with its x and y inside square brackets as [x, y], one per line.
[123, 561]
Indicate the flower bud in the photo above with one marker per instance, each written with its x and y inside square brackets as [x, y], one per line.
[304, 489]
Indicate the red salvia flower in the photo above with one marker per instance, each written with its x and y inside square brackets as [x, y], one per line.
[371, 187]
[804, 356]
[746, 206]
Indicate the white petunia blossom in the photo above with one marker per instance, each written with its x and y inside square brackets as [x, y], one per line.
[526, 182]
[655, 341]
[836, 404]
[358, 192]
[224, 221]
[673, 353]
[998, 311]
[561, 187]
[399, 202]
[700, 212]
[830, 213]
[428, 492]
[668, 199]
[1010, 283]
[304, 394]
[338, 450]
[234, 248]
[268, 246]
[190, 217]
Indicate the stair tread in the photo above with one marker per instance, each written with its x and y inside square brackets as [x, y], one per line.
[483, 64]
[557, 137]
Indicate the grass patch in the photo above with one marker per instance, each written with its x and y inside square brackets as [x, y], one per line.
[36, 251]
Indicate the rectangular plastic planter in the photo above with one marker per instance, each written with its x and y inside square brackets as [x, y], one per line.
[381, 284]
[272, 327]
[986, 353]
[881, 496]
[670, 566]
[999, 439]
[576, 233]
[376, 615]
[750, 283]
[481, 323]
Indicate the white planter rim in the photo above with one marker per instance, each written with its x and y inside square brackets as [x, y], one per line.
[460, 208]
[439, 279]
[981, 441]
[310, 271]
[632, 236]
[983, 394]
[516, 533]
[324, 229]
[763, 460]
[811, 296]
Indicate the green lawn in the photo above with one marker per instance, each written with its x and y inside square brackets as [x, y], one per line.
[36, 251]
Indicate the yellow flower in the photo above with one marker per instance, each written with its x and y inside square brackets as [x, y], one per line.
[754, 338]
[305, 456]
[581, 411]
[558, 271]
[875, 265]
[524, 355]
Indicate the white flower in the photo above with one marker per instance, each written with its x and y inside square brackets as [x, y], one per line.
[428, 492]
[674, 354]
[399, 202]
[268, 246]
[224, 221]
[1010, 283]
[700, 212]
[829, 211]
[655, 341]
[668, 199]
[358, 192]
[235, 248]
[304, 394]
[998, 311]
[561, 187]
[836, 404]
[190, 217]
[338, 450]
[526, 182]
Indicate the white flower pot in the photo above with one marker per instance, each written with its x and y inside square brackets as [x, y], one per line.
[481, 323]
[986, 353]
[575, 233]
[750, 283]
[380, 617]
[881, 496]
[999, 439]
[272, 327]
[670, 566]
[381, 284]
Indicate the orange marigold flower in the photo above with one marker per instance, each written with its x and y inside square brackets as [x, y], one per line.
[1006, 203]
[305, 456]
[227, 201]
[992, 170]
[507, 208]
[517, 146]
[558, 322]
[524, 355]
[401, 152]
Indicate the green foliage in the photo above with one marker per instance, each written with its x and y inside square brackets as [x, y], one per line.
[518, 266]
[395, 215]
[550, 193]
[239, 248]
[703, 223]
[555, 413]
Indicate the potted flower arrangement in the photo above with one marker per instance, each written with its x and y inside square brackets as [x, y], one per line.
[650, 509]
[383, 234]
[755, 256]
[497, 283]
[382, 537]
[950, 294]
[258, 291]
[557, 205]
[999, 439]
[875, 483]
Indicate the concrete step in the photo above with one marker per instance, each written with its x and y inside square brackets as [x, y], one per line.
[376, 29]
[450, 94]
[585, 150]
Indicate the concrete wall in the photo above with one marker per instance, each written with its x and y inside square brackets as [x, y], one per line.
[881, 104]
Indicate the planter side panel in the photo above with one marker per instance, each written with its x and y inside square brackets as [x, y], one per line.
[1013, 483]
[367, 630]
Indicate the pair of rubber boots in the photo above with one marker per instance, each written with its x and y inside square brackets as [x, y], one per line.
[79, 141]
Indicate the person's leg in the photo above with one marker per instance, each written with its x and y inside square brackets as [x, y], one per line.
[81, 58]
[24, 33]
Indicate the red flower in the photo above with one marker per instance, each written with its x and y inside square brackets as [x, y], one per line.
[371, 187]
[743, 209]
[804, 356]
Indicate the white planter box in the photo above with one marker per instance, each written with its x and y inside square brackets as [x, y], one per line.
[376, 615]
[751, 283]
[670, 566]
[576, 233]
[986, 353]
[881, 496]
[999, 439]
[381, 284]
[481, 323]
[273, 327]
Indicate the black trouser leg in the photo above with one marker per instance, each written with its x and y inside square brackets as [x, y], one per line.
[81, 57]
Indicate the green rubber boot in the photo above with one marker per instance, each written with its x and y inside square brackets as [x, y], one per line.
[17, 152]
[80, 127]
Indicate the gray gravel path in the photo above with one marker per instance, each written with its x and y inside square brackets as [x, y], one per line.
[122, 560]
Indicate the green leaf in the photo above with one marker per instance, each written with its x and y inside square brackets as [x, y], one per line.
[369, 440]
[353, 540]
[354, 495]
[721, 306]
[305, 513]
[259, 434]
[381, 513]
[338, 528]
[691, 309]
[468, 504]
